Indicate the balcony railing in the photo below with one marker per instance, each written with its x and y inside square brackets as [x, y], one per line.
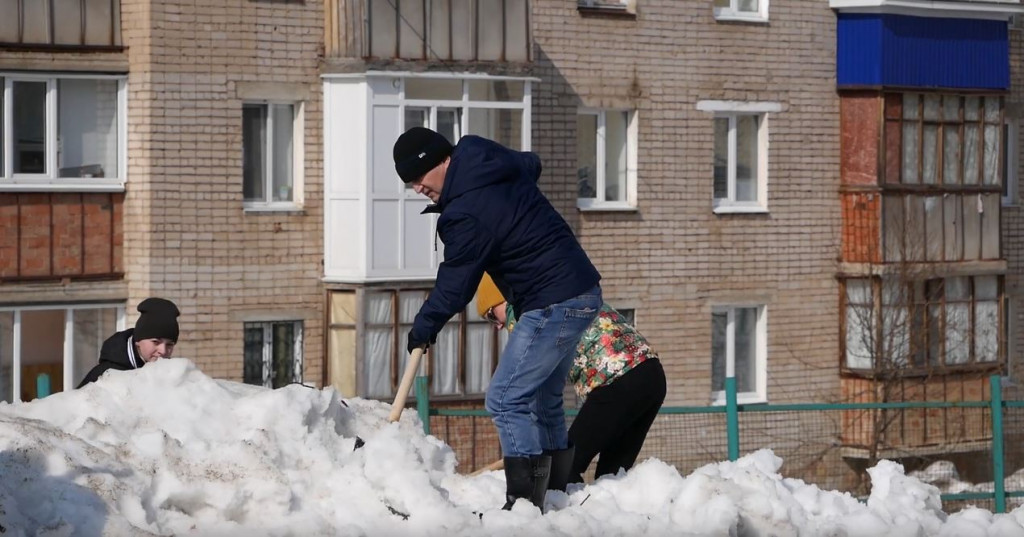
[60, 23]
[428, 30]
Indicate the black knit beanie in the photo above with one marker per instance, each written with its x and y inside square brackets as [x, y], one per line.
[158, 319]
[417, 151]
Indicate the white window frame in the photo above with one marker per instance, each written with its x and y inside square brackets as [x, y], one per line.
[733, 13]
[598, 203]
[50, 181]
[298, 159]
[268, 347]
[68, 381]
[760, 395]
[731, 110]
[1012, 162]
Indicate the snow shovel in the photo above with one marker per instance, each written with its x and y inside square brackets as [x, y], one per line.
[403, 388]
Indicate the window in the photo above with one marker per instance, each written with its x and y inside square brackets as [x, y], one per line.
[741, 10]
[1011, 155]
[459, 364]
[30, 355]
[740, 155]
[606, 162]
[921, 325]
[62, 132]
[739, 349]
[271, 163]
[952, 141]
[273, 353]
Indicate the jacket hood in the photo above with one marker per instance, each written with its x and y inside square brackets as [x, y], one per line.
[478, 162]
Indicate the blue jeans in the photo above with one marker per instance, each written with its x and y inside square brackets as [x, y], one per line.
[525, 394]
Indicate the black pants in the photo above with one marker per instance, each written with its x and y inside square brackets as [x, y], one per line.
[614, 420]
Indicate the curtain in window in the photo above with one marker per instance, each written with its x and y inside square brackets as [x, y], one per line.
[719, 324]
[958, 321]
[895, 324]
[986, 318]
[445, 360]
[284, 119]
[409, 305]
[746, 349]
[860, 323]
[379, 344]
[479, 350]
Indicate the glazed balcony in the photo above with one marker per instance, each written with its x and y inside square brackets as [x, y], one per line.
[60, 24]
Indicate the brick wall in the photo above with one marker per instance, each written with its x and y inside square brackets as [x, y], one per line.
[673, 259]
[186, 235]
[1013, 219]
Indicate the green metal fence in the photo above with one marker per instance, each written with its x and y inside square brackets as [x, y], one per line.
[812, 439]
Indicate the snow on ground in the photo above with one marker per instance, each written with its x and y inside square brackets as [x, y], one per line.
[167, 450]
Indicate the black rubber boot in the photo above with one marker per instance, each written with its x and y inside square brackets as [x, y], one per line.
[526, 477]
[561, 466]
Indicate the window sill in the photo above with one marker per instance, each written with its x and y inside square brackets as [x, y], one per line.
[52, 186]
[610, 9]
[605, 207]
[739, 209]
[733, 16]
[279, 207]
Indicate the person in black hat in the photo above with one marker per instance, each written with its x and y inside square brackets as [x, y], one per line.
[154, 337]
[494, 218]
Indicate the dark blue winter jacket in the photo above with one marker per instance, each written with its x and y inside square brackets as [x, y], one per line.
[494, 218]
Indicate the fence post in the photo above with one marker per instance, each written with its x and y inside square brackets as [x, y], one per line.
[732, 419]
[423, 402]
[998, 486]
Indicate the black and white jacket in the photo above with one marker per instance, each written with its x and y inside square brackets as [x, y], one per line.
[118, 353]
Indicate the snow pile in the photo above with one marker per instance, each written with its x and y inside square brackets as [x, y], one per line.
[167, 450]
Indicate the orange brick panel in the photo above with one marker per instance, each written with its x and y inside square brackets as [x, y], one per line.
[861, 227]
[99, 230]
[117, 234]
[9, 235]
[860, 127]
[34, 246]
[67, 234]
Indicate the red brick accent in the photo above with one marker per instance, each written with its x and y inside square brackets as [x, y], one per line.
[859, 123]
[861, 215]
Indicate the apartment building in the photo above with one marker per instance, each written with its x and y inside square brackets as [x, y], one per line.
[161, 149]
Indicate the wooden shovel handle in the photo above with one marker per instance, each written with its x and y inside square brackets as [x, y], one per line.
[403, 388]
[496, 465]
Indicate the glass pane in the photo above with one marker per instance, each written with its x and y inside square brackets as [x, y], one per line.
[746, 158]
[496, 90]
[586, 155]
[416, 117]
[971, 147]
[409, 304]
[992, 145]
[283, 354]
[911, 174]
[986, 287]
[931, 107]
[951, 155]
[91, 328]
[379, 343]
[284, 121]
[957, 333]
[502, 126]
[721, 157]
[254, 143]
[29, 125]
[748, 5]
[859, 337]
[972, 108]
[986, 331]
[252, 365]
[746, 349]
[6, 356]
[910, 105]
[87, 128]
[449, 124]
[433, 89]
[615, 156]
[42, 351]
[858, 292]
[719, 322]
[480, 352]
[444, 356]
[992, 105]
[929, 153]
[951, 108]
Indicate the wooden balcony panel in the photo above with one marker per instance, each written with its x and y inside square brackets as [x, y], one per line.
[428, 30]
[51, 236]
[60, 24]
